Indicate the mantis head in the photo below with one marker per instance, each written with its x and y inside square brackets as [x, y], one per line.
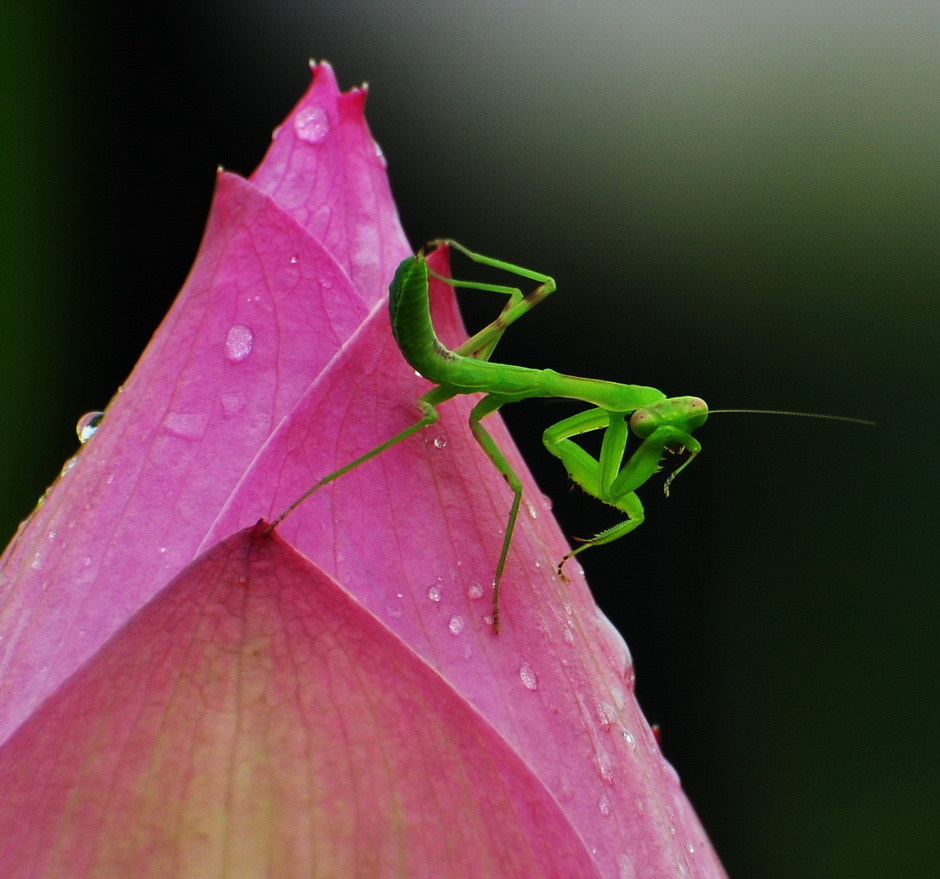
[668, 425]
[682, 414]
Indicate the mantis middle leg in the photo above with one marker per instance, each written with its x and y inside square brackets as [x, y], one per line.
[482, 344]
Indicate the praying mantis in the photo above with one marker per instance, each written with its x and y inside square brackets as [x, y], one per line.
[661, 424]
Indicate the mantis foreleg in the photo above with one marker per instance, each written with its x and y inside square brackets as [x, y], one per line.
[597, 476]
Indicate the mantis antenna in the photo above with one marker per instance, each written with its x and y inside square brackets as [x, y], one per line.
[848, 418]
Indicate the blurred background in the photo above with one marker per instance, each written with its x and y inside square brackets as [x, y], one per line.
[739, 200]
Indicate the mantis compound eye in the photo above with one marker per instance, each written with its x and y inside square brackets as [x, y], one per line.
[643, 422]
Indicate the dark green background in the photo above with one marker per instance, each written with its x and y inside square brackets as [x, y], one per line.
[738, 199]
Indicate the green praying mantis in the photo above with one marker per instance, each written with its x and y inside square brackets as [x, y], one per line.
[662, 424]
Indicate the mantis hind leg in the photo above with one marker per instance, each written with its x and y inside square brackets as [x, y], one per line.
[486, 406]
[482, 344]
[426, 404]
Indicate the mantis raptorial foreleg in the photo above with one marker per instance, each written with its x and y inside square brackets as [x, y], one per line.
[607, 477]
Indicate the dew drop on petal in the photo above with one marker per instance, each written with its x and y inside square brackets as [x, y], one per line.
[185, 425]
[440, 442]
[625, 868]
[456, 624]
[603, 765]
[238, 343]
[88, 425]
[379, 153]
[312, 124]
[529, 678]
[474, 590]
[232, 404]
[606, 714]
[603, 806]
[435, 592]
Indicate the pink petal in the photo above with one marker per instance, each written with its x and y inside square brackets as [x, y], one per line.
[255, 681]
[326, 171]
[264, 309]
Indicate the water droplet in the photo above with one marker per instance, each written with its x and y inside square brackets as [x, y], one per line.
[238, 343]
[456, 624]
[232, 404]
[604, 806]
[440, 442]
[625, 867]
[185, 425]
[379, 153]
[36, 563]
[88, 426]
[435, 592]
[312, 124]
[606, 714]
[534, 513]
[603, 765]
[529, 678]
[474, 590]
[631, 742]
[294, 259]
